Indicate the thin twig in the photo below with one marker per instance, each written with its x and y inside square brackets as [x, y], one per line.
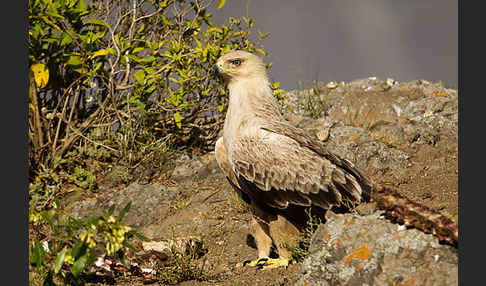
[92, 141]
[72, 109]
[37, 123]
[53, 148]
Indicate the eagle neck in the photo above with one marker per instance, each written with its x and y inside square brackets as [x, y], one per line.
[251, 104]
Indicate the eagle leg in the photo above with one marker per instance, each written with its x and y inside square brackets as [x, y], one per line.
[259, 230]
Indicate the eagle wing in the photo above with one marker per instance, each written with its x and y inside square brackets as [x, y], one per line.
[280, 165]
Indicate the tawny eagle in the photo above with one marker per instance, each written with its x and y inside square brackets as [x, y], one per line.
[275, 167]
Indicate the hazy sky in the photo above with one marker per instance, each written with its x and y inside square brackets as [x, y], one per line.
[343, 40]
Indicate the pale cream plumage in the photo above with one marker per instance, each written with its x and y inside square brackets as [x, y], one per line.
[273, 165]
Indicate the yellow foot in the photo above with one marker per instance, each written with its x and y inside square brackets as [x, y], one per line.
[265, 263]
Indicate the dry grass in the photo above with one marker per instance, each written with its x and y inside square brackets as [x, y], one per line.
[301, 250]
[184, 264]
[238, 205]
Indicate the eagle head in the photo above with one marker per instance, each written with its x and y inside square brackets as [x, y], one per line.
[237, 64]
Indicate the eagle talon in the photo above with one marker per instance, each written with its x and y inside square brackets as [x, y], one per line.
[257, 262]
[244, 263]
[265, 263]
[271, 263]
[262, 261]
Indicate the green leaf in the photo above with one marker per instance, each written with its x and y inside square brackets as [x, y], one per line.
[142, 60]
[262, 35]
[79, 265]
[59, 260]
[150, 89]
[79, 249]
[71, 3]
[140, 236]
[74, 61]
[110, 211]
[47, 216]
[66, 39]
[137, 50]
[57, 202]
[79, 69]
[124, 211]
[177, 118]
[50, 23]
[51, 40]
[74, 223]
[146, 60]
[139, 77]
[97, 36]
[125, 261]
[126, 244]
[95, 22]
[221, 3]
[81, 7]
[111, 51]
[98, 66]
[37, 253]
[141, 107]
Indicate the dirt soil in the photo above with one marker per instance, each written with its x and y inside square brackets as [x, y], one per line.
[402, 134]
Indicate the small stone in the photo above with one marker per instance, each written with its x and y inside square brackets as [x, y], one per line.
[390, 82]
[323, 135]
[332, 85]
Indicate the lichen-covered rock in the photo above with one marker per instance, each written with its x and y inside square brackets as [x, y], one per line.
[369, 250]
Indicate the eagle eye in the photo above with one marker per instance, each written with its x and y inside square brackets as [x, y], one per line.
[236, 62]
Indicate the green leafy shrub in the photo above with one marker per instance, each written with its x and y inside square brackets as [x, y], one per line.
[116, 63]
[120, 75]
[71, 245]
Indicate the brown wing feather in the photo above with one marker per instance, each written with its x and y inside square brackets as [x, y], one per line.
[224, 164]
[318, 147]
[277, 170]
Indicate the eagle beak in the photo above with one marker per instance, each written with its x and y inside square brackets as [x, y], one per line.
[217, 69]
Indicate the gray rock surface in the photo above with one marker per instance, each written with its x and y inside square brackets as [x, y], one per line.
[149, 202]
[369, 250]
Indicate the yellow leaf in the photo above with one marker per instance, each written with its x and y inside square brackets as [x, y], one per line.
[41, 74]
[221, 3]
[276, 85]
[177, 119]
[261, 52]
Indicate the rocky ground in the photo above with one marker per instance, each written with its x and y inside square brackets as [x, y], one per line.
[404, 135]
